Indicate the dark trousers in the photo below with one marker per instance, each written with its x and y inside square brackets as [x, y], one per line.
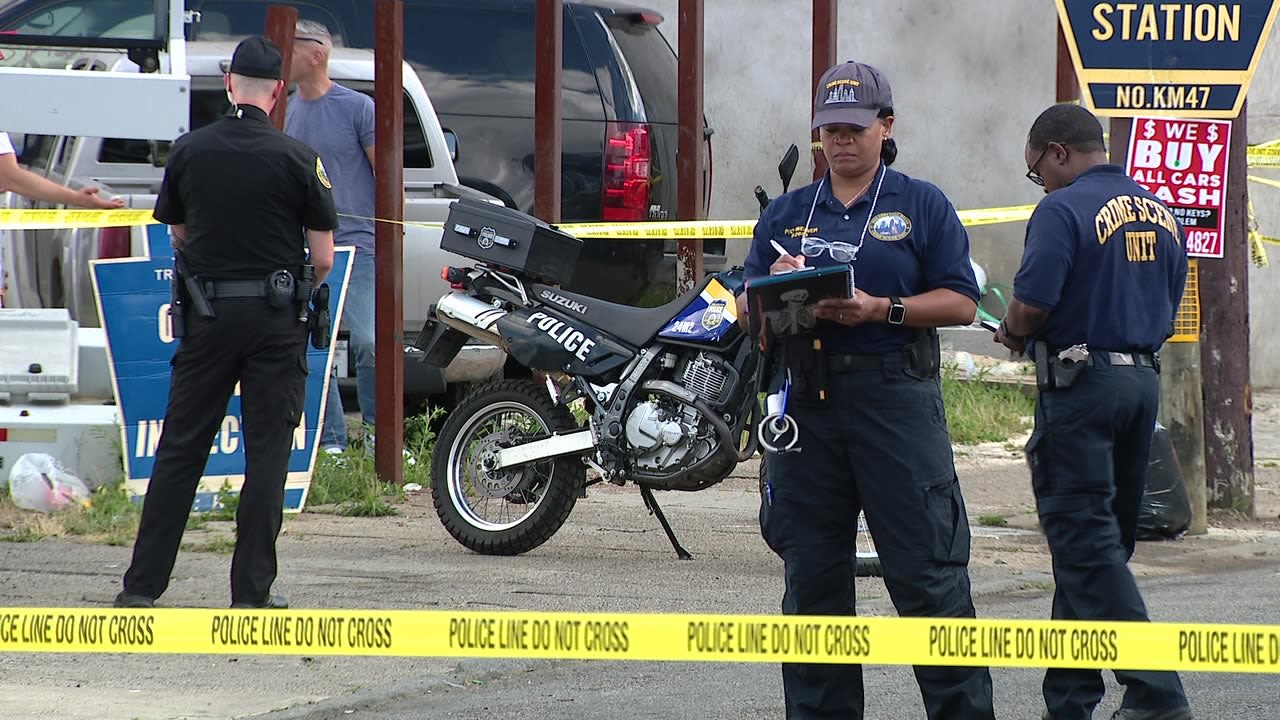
[1088, 456]
[263, 349]
[878, 444]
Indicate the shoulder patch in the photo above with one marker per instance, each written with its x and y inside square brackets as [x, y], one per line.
[320, 173]
[890, 226]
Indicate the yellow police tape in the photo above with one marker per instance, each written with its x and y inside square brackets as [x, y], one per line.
[73, 218]
[675, 230]
[650, 637]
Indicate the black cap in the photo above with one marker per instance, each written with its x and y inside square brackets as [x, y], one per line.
[256, 57]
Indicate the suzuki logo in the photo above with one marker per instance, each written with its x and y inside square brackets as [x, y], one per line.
[564, 302]
[569, 337]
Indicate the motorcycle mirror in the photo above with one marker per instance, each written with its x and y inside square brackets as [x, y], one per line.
[787, 168]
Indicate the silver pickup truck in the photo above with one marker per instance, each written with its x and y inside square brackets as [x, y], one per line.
[50, 268]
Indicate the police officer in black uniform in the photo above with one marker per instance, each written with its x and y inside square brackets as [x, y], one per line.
[1102, 275]
[878, 442]
[237, 195]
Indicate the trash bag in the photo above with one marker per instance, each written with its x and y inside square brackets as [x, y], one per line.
[38, 482]
[1165, 512]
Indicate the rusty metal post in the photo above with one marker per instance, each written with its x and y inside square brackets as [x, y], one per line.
[388, 171]
[1068, 85]
[1181, 397]
[1224, 345]
[546, 110]
[689, 149]
[282, 22]
[824, 56]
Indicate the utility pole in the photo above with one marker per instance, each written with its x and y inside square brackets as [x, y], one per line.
[388, 172]
[1224, 349]
[547, 141]
[692, 136]
[824, 56]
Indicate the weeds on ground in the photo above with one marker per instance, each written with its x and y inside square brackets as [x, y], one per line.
[219, 544]
[992, 521]
[980, 411]
[110, 518]
[350, 482]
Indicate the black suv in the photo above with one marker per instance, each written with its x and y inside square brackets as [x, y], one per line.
[477, 60]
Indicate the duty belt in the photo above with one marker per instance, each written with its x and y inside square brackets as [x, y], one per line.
[1137, 359]
[226, 289]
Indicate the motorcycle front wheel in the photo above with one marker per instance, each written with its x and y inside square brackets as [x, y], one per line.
[513, 510]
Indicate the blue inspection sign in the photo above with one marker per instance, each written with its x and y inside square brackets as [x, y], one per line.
[1166, 59]
[133, 301]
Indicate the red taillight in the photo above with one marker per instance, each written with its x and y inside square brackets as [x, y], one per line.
[627, 159]
[113, 243]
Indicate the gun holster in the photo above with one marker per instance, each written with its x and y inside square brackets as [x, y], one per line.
[177, 305]
[318, 322]
[923, 358]
[1053, 372]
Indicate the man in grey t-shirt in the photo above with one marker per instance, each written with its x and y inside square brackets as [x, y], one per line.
[337, 122]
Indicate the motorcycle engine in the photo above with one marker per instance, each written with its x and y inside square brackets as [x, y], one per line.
[663, 432]
[661, 435]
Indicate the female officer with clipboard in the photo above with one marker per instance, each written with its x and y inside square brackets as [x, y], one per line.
[879, 441]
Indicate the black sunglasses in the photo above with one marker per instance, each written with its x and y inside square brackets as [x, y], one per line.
[1034, 176]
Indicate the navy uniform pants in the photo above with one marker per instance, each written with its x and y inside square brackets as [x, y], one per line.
[264, 349]
[1088, 456]
[878, 444]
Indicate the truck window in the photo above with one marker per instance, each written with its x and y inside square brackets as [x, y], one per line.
[236, 19]
[124, 19]
[478, 58]
[417, 153]
[208, 105]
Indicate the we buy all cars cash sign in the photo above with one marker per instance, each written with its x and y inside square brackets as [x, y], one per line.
[1184, 163]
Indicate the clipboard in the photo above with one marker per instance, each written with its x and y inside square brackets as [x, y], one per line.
[782, 304]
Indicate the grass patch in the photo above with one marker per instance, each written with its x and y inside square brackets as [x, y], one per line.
[110, 518]
[22, 535]
[984, 412]
[350, 482]
[992, 521]
[219, 544]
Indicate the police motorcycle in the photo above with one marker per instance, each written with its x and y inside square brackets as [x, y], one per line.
[666, 397]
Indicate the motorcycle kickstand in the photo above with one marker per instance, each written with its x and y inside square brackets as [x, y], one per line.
[652, 503]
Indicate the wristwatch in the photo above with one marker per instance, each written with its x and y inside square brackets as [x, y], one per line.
[897, 311]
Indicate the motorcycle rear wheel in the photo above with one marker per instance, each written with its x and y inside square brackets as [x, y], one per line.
[505, 512]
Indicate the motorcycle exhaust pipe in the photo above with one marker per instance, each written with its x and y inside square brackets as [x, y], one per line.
[471, 316]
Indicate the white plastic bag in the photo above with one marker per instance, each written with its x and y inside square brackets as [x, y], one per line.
[38, 482]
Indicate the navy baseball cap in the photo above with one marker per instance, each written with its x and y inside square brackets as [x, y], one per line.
[851, 93]
[257, 57]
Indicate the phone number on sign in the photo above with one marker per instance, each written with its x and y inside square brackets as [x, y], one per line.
[1204, 242]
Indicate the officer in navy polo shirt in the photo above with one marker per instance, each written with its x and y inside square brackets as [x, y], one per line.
[1102, 276]
[879, 441]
